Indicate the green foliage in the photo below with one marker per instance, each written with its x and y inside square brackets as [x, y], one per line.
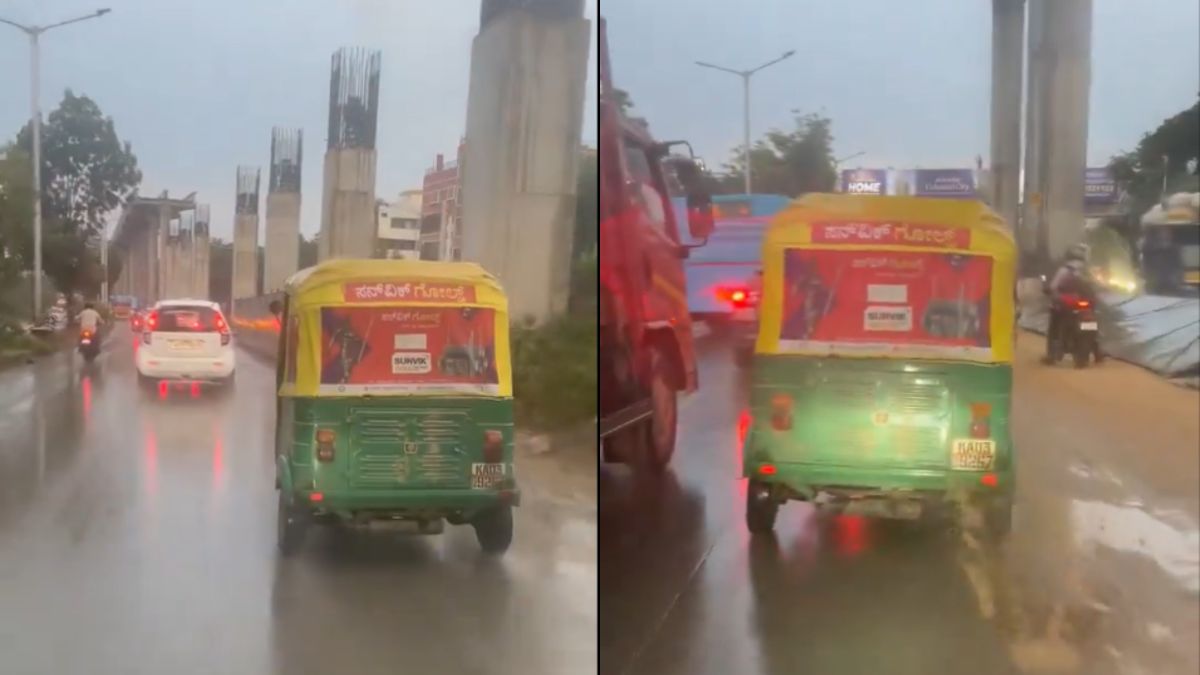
[16, 212]
[87, 173]
[554, 372]
[1141, 171]
[587, 206]
[585, 284]
[786, 162]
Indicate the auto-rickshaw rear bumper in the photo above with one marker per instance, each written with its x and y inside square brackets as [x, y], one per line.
[800, 480]
[417, 502]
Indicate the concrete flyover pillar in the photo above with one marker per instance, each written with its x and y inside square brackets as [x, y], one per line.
[282, 242]
[245, 234]
[1008, 54]
[1060, 66]
[524, 122]
[201, 259]
[348, 226]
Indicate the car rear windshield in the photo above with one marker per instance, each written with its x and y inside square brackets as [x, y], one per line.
[184, 319]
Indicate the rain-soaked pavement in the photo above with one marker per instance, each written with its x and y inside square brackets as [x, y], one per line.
[137, 536]
[1101, 575]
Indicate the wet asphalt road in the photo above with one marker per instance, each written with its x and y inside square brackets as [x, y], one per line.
[1101, 575]
[137, 536]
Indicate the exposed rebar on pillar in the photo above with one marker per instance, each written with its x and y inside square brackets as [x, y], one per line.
[201, 259]
[348, 207]
[282, 246]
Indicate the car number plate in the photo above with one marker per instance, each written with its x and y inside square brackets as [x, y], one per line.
[185, 345]
[1088, 325]
[486, 476]
[972, 454]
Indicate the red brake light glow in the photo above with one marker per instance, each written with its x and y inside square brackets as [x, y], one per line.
[1083, 304]
[988, 480]
[767, 469]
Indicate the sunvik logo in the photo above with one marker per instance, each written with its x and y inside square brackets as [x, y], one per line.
[411, 363]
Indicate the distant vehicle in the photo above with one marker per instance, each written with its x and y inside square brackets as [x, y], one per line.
[123, 306]
[717, 274]
[186, 341]
[89, 345]
[136, 321]
[1170, 245]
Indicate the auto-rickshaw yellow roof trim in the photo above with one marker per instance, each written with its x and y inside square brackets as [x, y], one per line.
[792, 228]
[322, 286]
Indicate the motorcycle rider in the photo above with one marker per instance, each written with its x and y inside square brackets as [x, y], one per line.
[1069, 279]
[90, 321]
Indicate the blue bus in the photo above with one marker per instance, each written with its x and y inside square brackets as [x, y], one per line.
[728, 207]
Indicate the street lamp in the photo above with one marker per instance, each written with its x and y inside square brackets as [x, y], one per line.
[36, 122]
[745, 75]
[837, 164]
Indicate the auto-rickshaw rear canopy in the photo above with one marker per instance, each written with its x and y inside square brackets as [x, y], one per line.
[430, 287]
[958, 231]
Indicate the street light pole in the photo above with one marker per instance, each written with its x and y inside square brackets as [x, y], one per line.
[745, 75]
[35, 121]
[837, 164]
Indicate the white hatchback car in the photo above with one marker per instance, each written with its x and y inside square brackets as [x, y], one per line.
[186, 341]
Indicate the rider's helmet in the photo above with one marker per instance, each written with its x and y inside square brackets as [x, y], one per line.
[88, 305]
[1077, 252]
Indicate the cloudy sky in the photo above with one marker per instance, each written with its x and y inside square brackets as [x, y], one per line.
[908, 87]
[196, 85]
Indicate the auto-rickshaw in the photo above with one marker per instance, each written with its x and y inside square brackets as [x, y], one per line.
[882, 375]
[394, 400]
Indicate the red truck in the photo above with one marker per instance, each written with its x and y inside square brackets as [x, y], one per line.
[646, 351]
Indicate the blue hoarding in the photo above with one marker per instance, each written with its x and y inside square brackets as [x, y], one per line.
[1099, 187]
[864, 181]
[944, 183]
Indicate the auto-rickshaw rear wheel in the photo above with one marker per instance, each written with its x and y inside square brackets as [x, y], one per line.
[494, 529]
[761, 508]
[290, 526]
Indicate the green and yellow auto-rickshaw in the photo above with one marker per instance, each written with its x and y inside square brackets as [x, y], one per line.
[882, 374]
[395, 400]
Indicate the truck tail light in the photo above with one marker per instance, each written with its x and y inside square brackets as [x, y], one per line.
[493, 446]
[981, 420]
[325, 438]
[781, 412]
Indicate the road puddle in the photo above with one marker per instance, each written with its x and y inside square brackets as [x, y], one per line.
[1133, 530]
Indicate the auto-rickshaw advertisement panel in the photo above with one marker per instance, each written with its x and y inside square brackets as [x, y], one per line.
[968, 263]
[360, 324]
[408, 349]
[886, 303]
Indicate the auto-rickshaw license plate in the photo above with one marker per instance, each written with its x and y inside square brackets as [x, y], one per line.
[972, 454]
[486, 476]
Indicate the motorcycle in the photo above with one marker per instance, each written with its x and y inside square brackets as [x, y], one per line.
[1078, 331]
[89, 345]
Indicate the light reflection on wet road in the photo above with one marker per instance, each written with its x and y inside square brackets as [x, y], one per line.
[685, 590]
[137, 536]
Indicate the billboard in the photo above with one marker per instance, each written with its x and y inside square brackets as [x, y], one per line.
[864, 181]
[898, 303]
[944, 183]
[1099, 187]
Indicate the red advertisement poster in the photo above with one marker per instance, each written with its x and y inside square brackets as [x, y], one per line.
[406, 349]
[891, 234]
[408, 291]
[892, 303]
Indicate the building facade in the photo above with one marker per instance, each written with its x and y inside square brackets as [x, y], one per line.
[441, 209]
[399, 226]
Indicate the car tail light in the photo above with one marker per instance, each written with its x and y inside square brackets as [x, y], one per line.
[981, 420]
[152, 320]
[325, 438]
[781, 412]
[146, 337]
[493, 446]
[225, 338]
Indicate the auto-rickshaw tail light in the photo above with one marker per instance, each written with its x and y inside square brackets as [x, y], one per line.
[781, 412]
[325, 438]
[493, 446]
[981, 420]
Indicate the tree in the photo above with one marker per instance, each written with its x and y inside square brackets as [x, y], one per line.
[787, 163]
[1141, 171]
[16, 213]
[87, 172]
